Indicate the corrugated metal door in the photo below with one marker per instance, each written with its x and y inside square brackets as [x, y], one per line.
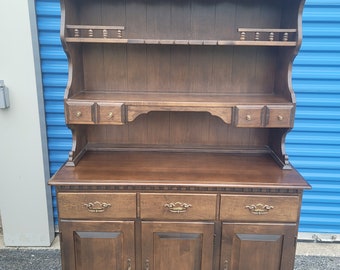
[313, 145]
[54, 67]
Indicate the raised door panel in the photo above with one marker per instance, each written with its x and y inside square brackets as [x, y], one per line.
[97, 245]
[258, 247]
[173, 246]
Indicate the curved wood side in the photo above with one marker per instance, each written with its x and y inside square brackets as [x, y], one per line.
[79, 142]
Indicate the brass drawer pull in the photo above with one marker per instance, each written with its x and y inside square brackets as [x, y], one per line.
[280, 117]
[177, 207]
[147, 265]
[259, 209]
[78, 114]
[97, 207]
[248, 117]
[226, 264]
[110, 115]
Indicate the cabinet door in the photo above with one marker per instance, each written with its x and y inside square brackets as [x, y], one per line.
[177, 246]
[94, 245]
[258, 247]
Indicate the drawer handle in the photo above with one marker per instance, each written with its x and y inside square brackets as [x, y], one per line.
[248, 117]
[177, 207]
[129, 264]
[226, 265]
[110, 115]
[147, 265]
[97, 207]
[280, 117]
[259, 209]
[78, 114]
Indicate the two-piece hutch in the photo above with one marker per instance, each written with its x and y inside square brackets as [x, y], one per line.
[179, 111]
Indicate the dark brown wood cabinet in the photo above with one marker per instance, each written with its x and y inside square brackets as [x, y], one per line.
[177, 245]
[179, 112]
[98, 245]
[258, 246]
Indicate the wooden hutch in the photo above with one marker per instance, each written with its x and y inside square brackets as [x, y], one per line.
[179, 111]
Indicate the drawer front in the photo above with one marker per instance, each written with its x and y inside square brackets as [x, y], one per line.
[97, 205]
[178, 206]
[110, 113]
[249, 116]
[80, 112]
[259, 208]
[280, 116]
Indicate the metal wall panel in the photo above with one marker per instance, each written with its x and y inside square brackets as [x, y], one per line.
[54, 72]
[314, 143]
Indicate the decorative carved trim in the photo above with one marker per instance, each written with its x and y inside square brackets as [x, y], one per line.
[175, 188]
[222, 112]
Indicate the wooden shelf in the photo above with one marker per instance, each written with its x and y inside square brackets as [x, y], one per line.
[119, 108]
[181, 42]
[178, 168]
[176, 98]
[115, 35]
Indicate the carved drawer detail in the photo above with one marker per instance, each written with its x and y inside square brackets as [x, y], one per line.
[80, 112]
[279, 116]
[249, 116]
[97, 205]
[178, 206]
[110, 113]
[259, 208]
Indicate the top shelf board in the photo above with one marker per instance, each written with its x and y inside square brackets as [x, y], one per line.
[115, 35]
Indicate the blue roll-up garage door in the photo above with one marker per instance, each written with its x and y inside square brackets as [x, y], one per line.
[54, 72]
[314, 143]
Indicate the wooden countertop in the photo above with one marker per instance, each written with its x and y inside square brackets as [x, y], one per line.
[180, 169]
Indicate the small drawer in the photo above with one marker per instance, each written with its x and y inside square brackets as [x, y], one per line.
[178, 206]
[110, 113]
[248, 116]
[97, 205]
[279, 116]
[80, 112]
[259, 208]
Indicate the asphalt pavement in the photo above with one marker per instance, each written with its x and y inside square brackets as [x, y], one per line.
[12, 258]
[49, 259]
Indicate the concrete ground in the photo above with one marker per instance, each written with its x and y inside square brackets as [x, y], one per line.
[309, 256]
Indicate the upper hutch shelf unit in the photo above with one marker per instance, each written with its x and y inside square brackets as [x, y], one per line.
[231, 59]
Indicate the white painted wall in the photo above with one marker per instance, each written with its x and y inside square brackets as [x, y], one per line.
[25, 199]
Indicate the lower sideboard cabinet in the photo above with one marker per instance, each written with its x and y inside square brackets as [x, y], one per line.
[97, 245]
[177, 231]
[177, 246]
[258, 246]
